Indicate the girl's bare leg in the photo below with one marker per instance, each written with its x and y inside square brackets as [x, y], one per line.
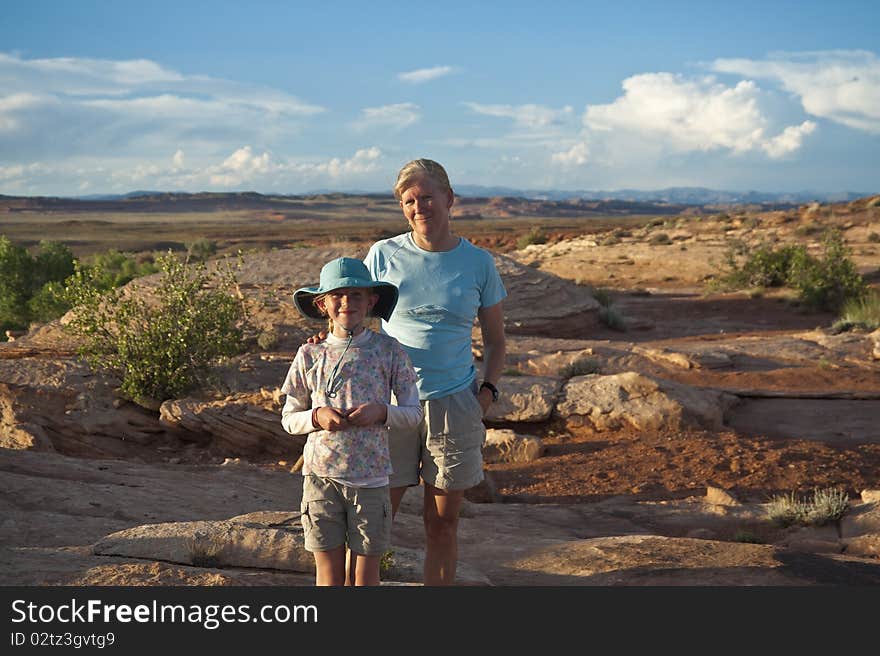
[330, 566]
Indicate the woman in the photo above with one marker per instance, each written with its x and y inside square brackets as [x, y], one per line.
[444, 283]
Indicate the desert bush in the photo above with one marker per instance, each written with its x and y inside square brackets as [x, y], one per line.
[746, 537]
[201, 250]
[16, 281]
[267, 339]
[386, 562]
[602, 296]
[115, 268]
[580, 367]
[827, 283]
[28, 284]
[610, 316]
[860, 313]
[825, 505]
[533, 236]
[807, 229]
[659, 239]
[822, 283]
[157, 349]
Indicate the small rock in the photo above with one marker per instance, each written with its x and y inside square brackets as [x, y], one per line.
[504, 445]
[701, 534]
[870, 496]
[719, 497]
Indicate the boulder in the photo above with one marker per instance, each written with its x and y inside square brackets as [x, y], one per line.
[504, 445]
[717, 496]
[608, 402]
[240, 425]
[540, 303]
[235, 542]
[524, 398]
[874, 337]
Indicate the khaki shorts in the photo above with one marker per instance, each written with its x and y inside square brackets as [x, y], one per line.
[334, 514]
[445, 449]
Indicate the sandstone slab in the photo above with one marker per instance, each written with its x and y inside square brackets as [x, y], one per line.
[608, 402]
[505, 445]
[525, 399]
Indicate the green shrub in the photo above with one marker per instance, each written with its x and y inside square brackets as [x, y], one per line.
[163, 348]
[659, 239]
[386, 562]
[822, 283]
[824, 506]
[16, 282]
[580, 367]
[746, 537]
[611, 317]
[807, 229]
[28, 284]
[114, 268]
[201, 250]
[861, 313]
[827, 283]
[533, 236]
[873, 237]
[602, 296]
[267, 339]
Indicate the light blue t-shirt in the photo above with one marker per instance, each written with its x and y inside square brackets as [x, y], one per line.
[439, 296]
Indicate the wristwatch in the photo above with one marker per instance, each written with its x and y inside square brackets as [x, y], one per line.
[489, 386]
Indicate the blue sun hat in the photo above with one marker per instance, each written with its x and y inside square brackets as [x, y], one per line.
[346, 272]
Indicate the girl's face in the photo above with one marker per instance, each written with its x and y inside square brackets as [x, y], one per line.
[426, 206]
[348, 307]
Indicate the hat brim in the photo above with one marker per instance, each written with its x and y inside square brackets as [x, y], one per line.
[304, 298]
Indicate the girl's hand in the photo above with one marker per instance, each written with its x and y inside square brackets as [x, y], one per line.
[331, 419]
[317, 339]
[368, 414]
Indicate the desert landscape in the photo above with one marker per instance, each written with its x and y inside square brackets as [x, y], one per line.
[646, 420]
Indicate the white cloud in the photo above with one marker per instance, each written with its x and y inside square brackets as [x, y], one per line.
[424, 74]
[525, 116]
[577, 155]
[363, 161]
[789, 141]
[697, 114]
[398, 116]
[842, 86]
[177, 160]
[70, 107]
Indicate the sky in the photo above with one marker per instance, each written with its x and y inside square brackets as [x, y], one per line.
[111, 96]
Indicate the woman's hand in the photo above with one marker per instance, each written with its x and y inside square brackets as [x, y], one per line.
[368, 414]
[484, 398]
[330, 419]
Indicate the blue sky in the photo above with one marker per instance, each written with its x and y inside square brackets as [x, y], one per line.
[290, 97]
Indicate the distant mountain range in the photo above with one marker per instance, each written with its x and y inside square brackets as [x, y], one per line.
[673, 195]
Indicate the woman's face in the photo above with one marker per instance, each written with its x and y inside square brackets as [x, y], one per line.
[426, 206]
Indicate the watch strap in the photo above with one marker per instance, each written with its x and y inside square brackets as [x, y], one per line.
[489, 386]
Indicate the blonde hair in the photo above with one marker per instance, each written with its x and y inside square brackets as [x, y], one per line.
[370, 321]
[315, 300]
[420, 168]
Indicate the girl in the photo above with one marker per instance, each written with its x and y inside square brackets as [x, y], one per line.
[338, 391]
